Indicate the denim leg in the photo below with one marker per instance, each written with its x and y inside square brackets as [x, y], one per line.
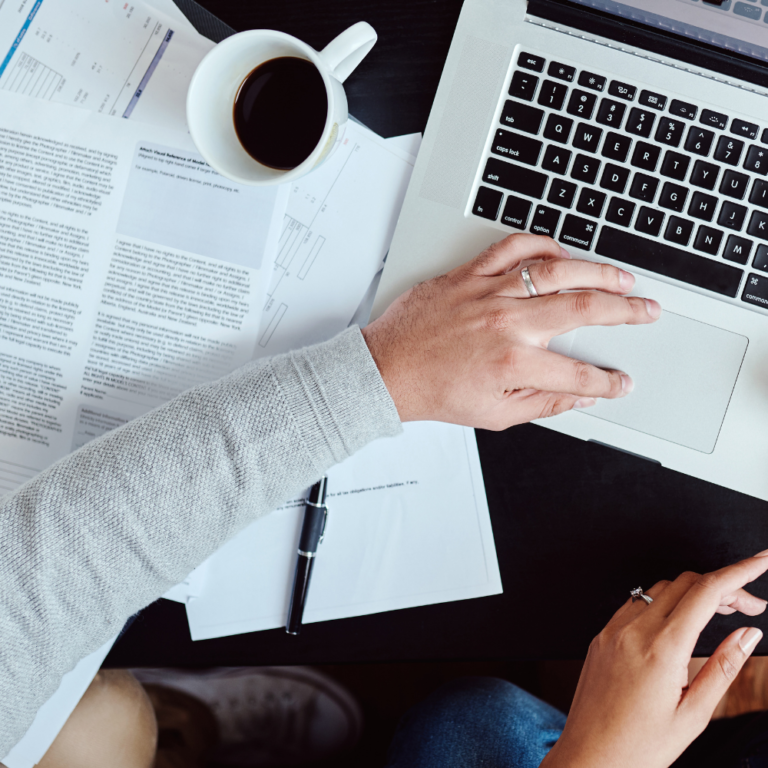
[473, 722]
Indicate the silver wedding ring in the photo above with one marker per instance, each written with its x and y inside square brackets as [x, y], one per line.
[532, 292]
[637, 594]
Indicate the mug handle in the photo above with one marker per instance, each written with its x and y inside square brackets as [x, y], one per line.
[345, 52]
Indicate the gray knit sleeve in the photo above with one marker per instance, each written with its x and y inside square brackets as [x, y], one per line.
[108, 529]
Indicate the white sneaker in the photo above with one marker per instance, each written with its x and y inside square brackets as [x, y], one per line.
[269, 715]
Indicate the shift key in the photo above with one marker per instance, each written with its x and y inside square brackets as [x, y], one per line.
[514, 178]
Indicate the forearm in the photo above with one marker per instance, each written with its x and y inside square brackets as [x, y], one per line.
[108, 529]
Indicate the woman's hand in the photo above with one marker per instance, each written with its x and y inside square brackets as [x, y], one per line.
[633, 707]
[470, 347]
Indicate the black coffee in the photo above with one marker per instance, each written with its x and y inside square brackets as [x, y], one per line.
[280, 111]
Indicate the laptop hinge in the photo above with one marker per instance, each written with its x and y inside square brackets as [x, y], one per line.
[661, 42]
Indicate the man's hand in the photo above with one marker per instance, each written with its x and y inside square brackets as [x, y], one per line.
[470, 347]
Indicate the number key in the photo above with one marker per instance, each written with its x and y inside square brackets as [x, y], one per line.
[611, 112]
[552, 94]
[729, 150]
[699, 141]
[670, 132]
[582, 104]
[757, 160]
[640, 122]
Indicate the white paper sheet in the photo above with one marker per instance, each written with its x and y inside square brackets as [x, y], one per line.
[54, 713]
[408, 525]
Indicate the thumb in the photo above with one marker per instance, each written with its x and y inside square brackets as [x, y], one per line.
[716, 676]
[504, 256]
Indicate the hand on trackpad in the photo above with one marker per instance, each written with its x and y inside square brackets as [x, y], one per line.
[684, 373]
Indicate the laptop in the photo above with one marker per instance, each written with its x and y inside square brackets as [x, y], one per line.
[634, 133]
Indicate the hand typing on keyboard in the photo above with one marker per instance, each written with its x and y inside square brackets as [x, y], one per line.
[470, 347]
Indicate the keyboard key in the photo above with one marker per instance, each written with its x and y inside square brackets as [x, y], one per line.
[561, 192]
[620, 211]
[756, 290]
[759, 194]
[704, 175]
[487, 203]
[530, 61]
[699, 141]
[764, 136]
[758, 225]
[702, 206]
[761, 258]
[522, 117]
[591, 202]
[552, 94]
[757, 160]
[578, 232]
[582, 104]
[585, 169]
[653, 100]
[683, 109]
[745, 129]
[644, 187]
[515, 178]
[616, 147]
[748, 11]
[673, 196]
[640, 122]
[713, 119]
[556, 159]
[615, 178]
[732, 216]
[622, 90]
[734, 184]
[611, 113]
[517, 147]
[561, 71]
[669, 261]
[523, 86]
[558, 128]
[545, 221]
[590, 80]
[587, 137]
[670, 132]
[646, 156]
[649, 222]
[729, 150]
[516, 212]
[708, 240]
[737, 249]
[678, 230]
[675, 166]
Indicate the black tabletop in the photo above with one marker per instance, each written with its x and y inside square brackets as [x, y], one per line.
[576, 524]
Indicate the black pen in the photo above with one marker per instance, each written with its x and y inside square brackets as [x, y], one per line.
[315, 514]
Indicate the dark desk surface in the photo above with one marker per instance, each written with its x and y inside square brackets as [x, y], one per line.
[576, 525]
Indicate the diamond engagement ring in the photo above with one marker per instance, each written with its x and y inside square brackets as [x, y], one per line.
[532, 292]
[637, 594]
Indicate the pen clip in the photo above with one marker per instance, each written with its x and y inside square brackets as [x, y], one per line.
[325, 520]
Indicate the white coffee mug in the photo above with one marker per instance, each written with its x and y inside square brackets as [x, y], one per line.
[217, 79]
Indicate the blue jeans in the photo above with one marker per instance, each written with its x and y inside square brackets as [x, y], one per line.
[482, 722]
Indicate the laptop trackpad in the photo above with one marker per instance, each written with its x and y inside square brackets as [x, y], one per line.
[684, 373]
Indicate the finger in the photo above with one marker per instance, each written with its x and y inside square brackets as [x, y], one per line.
[705, 595]
[555, 275]
[552, 372]
[714, 678]
[504, 256]
[565, 312]
[524, 405]
[631, 610]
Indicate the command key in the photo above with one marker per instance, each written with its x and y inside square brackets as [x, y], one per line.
[756, 290]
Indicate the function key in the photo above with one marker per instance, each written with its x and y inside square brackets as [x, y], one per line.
[552, 94]
[745, 129]
[531, 61]
[714, 119]
[561, 71]
[590, 80]
[683, 109]
[651, 99]
[522, 117]
[523, 86]
[622, 90]
[487, 203]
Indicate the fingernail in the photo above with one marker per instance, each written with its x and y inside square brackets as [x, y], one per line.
[764, 553]
[627, 385]
[626, 280]
[750, 639]
[585, 402]
[654, 308]
[564, 254]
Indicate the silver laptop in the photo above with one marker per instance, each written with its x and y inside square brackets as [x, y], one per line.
[634, 133]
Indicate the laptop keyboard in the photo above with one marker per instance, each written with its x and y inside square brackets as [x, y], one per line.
[638, 176]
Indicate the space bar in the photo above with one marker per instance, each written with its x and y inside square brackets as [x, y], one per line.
[668, 261]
